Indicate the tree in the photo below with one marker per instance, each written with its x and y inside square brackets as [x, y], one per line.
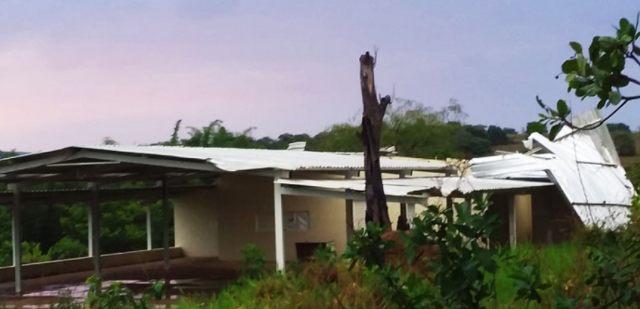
[618, 127]
[497, 136]
[470, 145]
[601, 72]
[625, 144]
[372, 120]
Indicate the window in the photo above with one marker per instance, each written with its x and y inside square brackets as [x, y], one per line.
[293, 221]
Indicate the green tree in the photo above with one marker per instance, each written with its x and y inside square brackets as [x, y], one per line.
[603, 71]
[625, 144]
[497, 136]
[618, 127]
[472, 146]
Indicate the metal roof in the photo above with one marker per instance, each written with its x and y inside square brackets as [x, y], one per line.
[585, 170]
[234, 159]
[405, 186]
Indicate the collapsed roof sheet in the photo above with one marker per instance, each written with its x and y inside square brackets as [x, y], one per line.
[585, 171]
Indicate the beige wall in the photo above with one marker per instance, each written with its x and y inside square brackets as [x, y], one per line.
[220, 221]
[524, 219]
[196, 224]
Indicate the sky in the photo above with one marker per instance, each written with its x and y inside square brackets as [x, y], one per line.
[73, 72]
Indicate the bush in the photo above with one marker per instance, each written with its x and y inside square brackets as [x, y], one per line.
[67, 248]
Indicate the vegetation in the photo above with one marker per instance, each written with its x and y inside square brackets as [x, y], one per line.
[599, 269]
[603, 71]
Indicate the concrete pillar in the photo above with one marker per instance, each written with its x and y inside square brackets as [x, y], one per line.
[349, 215]
[165, 225]
[279, 224]
[149, 238]
[403, 220]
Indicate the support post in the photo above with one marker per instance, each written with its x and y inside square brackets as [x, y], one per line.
[403, 219]
[411, 213]
[165, 224]
[279, 225]
[513, 239]
[89, 230]
[449, 201]
[16, 239]
[149, 238]
[349, 214]
[94, 228]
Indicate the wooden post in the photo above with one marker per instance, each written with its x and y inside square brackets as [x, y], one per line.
[513, 238]
[372, 119]
[16, 237]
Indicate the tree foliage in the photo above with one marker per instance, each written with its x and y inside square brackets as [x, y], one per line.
[602, 72]
[624, 143]
[618, 127]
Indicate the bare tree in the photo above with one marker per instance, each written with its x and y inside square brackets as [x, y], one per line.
[372, 120]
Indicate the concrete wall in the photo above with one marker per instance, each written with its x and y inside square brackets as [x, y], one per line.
[196, 224]
[52, 268]
[221, 221]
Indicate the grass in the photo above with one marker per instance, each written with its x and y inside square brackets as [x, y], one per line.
[321, 285]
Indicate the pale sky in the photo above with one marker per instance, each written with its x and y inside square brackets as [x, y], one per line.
[73, 72]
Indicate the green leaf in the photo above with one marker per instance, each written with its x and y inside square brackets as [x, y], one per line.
[576, 47]
[602, 103]
[465, 230]
[563, 109]
[636, 49]
[625, 28]
[554, 131]
[615, 97]
[582, 65]
[626, 39]
[599, 74]
[607, 42]
[594, 49]
[570, 66]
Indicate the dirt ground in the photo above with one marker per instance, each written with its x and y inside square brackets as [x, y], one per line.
[187, 276]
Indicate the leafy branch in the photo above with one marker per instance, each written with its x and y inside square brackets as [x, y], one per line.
[597, 72]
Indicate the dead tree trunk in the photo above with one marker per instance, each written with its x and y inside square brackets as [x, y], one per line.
[372, 116]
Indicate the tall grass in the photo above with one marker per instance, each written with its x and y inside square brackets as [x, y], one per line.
[333, 285]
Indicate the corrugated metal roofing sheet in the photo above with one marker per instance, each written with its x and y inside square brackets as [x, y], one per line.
[404, 186]
[584, 170]
[235, 159]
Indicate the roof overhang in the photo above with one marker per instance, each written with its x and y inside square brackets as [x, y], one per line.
[407, 190]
